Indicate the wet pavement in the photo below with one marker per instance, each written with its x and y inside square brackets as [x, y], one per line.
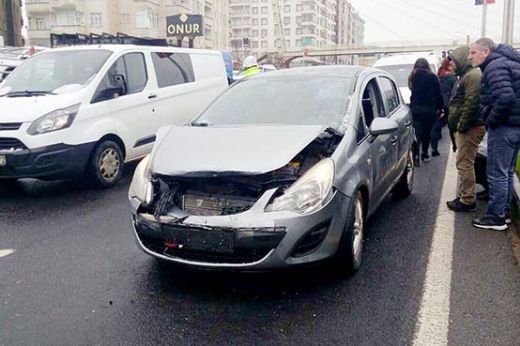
[76, 277]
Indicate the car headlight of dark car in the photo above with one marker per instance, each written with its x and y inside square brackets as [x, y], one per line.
[309, 192]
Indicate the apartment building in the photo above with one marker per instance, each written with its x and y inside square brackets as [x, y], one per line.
[260, 26]
[11, 22]
[142, 18]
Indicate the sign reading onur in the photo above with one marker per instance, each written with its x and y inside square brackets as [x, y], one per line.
[184, 25]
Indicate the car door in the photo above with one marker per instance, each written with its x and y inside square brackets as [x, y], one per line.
[383, 148]
[400, 113]
[133, 108]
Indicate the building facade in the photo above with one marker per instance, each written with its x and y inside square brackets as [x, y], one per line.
[141, 18]
[11, 22]
[262, 26]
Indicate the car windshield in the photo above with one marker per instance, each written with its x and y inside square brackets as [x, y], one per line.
[401, 72]
[50, 71]
[291, 100]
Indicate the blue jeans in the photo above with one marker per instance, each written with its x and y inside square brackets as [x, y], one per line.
[503, 145]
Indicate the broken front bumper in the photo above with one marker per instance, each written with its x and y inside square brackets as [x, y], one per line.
[251, 240]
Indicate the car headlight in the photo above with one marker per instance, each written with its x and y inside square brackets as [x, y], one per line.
[141, 186]
[309, 192]
[54, 121]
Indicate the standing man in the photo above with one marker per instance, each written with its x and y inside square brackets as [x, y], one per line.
[251, 66]
[465, 121]
[500, 107]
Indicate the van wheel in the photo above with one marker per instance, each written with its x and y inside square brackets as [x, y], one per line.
[404, 186]
[106, 165]
[350, 250]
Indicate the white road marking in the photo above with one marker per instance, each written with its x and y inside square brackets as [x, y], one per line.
[6, 252]
[433, 320]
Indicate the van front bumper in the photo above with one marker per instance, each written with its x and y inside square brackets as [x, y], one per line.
[56, 161]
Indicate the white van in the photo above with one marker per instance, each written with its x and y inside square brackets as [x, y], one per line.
[87, 110]
[401, 65]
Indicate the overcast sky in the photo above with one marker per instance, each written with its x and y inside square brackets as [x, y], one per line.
[431, 20]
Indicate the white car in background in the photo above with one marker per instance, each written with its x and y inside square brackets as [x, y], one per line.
[400, 66]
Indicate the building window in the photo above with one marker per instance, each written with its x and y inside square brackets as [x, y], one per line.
[299, 8]
[287, 43]
[264, 33]
[287, 8]
[287, 32]
[254, 21]
[298, 31]
[254, 10]
[264, 44]
[254, 44]
[96, 19]
[298, 43]
[254, 33]
[287, 20]
[38, 24]
[264, 10]
[264, 21]
[147, 19]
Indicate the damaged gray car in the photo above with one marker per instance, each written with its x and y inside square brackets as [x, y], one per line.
[281, 169]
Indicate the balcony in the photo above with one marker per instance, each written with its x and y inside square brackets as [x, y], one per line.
[70, 29]
[67, 4]
[37, 6]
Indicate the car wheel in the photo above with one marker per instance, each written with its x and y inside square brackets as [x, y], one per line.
[350, 250]
[106, 165]
[404, 186]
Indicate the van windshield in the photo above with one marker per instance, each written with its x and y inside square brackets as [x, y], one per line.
[56, 72]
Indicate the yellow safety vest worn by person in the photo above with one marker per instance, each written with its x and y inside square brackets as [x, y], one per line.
[251, 66]
[252, 71]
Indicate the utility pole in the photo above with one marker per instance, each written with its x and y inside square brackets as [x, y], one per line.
[484, 18]
[507, 27]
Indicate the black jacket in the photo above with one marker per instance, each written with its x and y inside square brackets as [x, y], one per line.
[500, 90]
[447, 83]
[426, 90]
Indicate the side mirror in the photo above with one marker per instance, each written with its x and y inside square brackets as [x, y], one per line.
[382, 126]
[116, 89]
[118, 81]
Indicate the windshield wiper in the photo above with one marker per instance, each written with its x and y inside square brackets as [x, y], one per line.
[28, 93]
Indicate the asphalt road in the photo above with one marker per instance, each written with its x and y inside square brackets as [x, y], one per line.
[77, 278]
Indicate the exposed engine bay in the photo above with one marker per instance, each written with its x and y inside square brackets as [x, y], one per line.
[210, 194]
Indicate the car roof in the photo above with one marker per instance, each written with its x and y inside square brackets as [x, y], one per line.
[316, 71]
[126, 47]
[407, 59]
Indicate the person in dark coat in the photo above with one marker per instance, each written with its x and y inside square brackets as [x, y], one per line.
[500, 108]
[425, 102]
[447, 81]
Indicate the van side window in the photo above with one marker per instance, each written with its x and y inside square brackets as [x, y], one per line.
[172, 68]
[390, 95]
[132, 68]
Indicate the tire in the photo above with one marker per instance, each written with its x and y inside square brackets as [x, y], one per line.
[105, 166]
[350, 250]
[404, 186]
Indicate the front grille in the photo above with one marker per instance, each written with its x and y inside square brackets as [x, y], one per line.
[10, 126]
[202, 205]
[11, 144]
[237, 257]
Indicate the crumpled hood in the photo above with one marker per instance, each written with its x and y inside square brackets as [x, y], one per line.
[199, 151]
[25, 109]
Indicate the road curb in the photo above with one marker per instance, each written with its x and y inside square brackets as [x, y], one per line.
[513, 233]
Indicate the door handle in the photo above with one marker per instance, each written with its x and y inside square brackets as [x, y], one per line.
[394, 140]
[152, 96]
[408, 123]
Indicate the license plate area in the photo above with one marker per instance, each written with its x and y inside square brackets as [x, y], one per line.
[3, 160]
[216, 241]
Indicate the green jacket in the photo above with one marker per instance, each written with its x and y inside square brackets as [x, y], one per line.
[251, 71]
[465, 98]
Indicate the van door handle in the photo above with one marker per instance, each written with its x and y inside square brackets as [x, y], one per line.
[394, 140]
[152, 96]
[408, 123]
